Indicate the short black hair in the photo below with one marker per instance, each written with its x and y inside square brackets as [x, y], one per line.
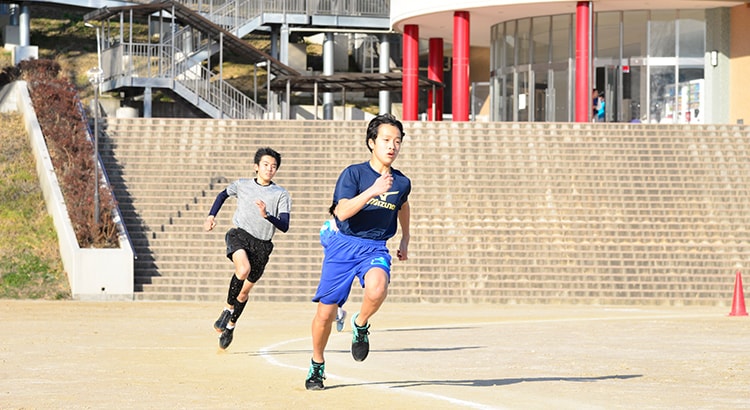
[261, 152]
[375, 123]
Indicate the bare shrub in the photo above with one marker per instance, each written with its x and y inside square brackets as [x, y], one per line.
[56, 104]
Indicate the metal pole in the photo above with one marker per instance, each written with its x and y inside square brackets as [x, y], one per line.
[97, 86]
[96, 153]
[96, 126]
[95, 76]
[98, 48]
[288, 108]
[221, 73]
[268, 88]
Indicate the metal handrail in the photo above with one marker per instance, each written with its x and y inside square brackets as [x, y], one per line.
[240, 11]
[159, 61]
[174, 57]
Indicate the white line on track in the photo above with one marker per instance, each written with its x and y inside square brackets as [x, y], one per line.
[266, 353]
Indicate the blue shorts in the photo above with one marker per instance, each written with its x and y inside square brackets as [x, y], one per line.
[348, 257]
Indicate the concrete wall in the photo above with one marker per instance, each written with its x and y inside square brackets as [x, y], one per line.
[94, 274]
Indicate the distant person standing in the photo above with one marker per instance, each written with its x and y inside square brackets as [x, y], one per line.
[262, 208]
[369, 202]
[601, 109]
[594, 104]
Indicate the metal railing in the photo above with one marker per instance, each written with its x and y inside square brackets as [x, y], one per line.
[369, 8]
[179, 54]
[231, 14]
[222, 12]
[167, 62]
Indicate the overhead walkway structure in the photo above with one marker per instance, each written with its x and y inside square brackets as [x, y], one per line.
[182, 37]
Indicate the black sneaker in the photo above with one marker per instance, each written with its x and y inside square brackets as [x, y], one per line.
[226, 338]
[360, 342]
[221, 322]
[315, 377]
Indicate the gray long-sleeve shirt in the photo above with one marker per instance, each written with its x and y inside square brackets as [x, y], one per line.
[247, 216]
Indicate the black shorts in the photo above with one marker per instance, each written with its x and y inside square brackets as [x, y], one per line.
[258, 251]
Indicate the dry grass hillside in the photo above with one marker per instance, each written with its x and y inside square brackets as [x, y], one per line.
[30, 265]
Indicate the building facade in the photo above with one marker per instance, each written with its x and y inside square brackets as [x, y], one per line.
[683, 62]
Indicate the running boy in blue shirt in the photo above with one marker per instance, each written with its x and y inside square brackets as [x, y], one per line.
[370, 200]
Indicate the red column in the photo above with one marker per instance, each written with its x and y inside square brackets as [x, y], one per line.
[410, 85]
[461, 48]
[583, 90]
[435, 72]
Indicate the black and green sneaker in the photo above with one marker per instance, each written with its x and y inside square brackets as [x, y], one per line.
[226, 338]
[222, 321]
[360, 342]
[315, 376]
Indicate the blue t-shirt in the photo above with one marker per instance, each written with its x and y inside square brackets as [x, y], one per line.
[378, 219]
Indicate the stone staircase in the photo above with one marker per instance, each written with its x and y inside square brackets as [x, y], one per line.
[501, 212]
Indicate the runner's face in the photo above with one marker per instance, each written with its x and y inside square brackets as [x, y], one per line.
[266, 169]
[386, 146]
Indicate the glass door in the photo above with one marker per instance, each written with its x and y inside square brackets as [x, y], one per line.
[610, 93]
[541, 93]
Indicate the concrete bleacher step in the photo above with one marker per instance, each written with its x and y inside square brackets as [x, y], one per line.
[587, 213]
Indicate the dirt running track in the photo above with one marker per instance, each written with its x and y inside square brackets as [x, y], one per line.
[146, 355]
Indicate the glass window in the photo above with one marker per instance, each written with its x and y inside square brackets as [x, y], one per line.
[540, 95]
[634, 34]
[510, 43]
[541, 29]
[560, 95]
[660, 78]
[690, 73]
[607, 35]
[691, 98]
[497, 46]
[508, 101]
[663, 94]
[662, 34]
[523, 97]
[497, 99]
[692, 34]
[561, 41]
[632, 87]
[523, 35]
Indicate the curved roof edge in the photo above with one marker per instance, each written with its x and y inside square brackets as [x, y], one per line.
[435, 17]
